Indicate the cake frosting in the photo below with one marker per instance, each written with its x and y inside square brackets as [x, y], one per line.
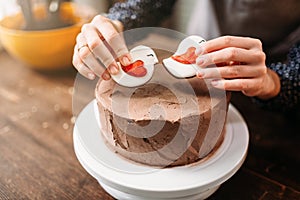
[167, 122]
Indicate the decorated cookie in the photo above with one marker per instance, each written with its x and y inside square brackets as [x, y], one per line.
[140, 71]
[183, 63]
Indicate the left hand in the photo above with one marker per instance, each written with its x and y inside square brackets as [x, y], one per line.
[237, 64]
[100, 40]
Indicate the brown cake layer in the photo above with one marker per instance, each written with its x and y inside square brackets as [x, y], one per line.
[162, 124]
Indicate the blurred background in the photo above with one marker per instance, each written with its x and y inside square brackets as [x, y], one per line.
[41, 33]
[21, 29]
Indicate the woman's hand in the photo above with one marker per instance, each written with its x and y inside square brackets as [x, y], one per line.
[98, 44]
[240, 65]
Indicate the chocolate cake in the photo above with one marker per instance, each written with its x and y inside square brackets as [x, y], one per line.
[167, 122]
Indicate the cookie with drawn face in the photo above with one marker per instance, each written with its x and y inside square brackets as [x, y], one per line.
[140, 71]
[182, 64]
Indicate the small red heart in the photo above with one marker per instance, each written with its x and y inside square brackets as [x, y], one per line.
[136, 69]
[189, 57]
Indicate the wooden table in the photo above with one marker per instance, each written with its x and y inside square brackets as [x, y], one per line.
[37, 159]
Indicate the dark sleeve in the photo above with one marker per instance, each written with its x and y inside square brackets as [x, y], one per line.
[289, 73]
[139, 13]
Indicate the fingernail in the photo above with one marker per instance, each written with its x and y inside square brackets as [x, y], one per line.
[215, 82]
[125, 61]
[105, 76]
[199, 51]
[200, 74]
[113, 69]
[91, 76]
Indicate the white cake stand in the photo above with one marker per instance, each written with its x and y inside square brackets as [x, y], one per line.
[129, 181]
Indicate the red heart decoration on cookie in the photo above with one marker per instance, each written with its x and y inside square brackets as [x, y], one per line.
[136, 69]
[189, 57]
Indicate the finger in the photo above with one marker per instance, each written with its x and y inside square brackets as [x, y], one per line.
[81, 67]
[231, 54]
[113, 38]
[228, 41]
[247, 86]
[106, 76]
[235, 71]
[97, 46]
[87, 56]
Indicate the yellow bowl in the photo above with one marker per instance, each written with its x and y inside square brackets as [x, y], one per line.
[44, 49]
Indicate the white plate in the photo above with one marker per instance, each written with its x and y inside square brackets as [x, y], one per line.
[120, 177]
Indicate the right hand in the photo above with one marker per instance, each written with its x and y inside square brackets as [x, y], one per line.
[99, 40]
[241, 67]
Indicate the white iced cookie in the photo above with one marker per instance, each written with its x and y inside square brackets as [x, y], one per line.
[183, 63]
[140, 71]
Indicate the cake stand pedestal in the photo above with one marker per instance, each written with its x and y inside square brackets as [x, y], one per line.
[129, 181]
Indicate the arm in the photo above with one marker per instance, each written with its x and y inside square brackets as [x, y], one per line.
[289, 74]
[138, 13]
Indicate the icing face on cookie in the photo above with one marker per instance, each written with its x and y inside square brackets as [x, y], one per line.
[183, 63]
[189, 57]
[136, 69]
[140, 71]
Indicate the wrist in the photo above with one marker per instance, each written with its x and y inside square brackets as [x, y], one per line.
[272, 88]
